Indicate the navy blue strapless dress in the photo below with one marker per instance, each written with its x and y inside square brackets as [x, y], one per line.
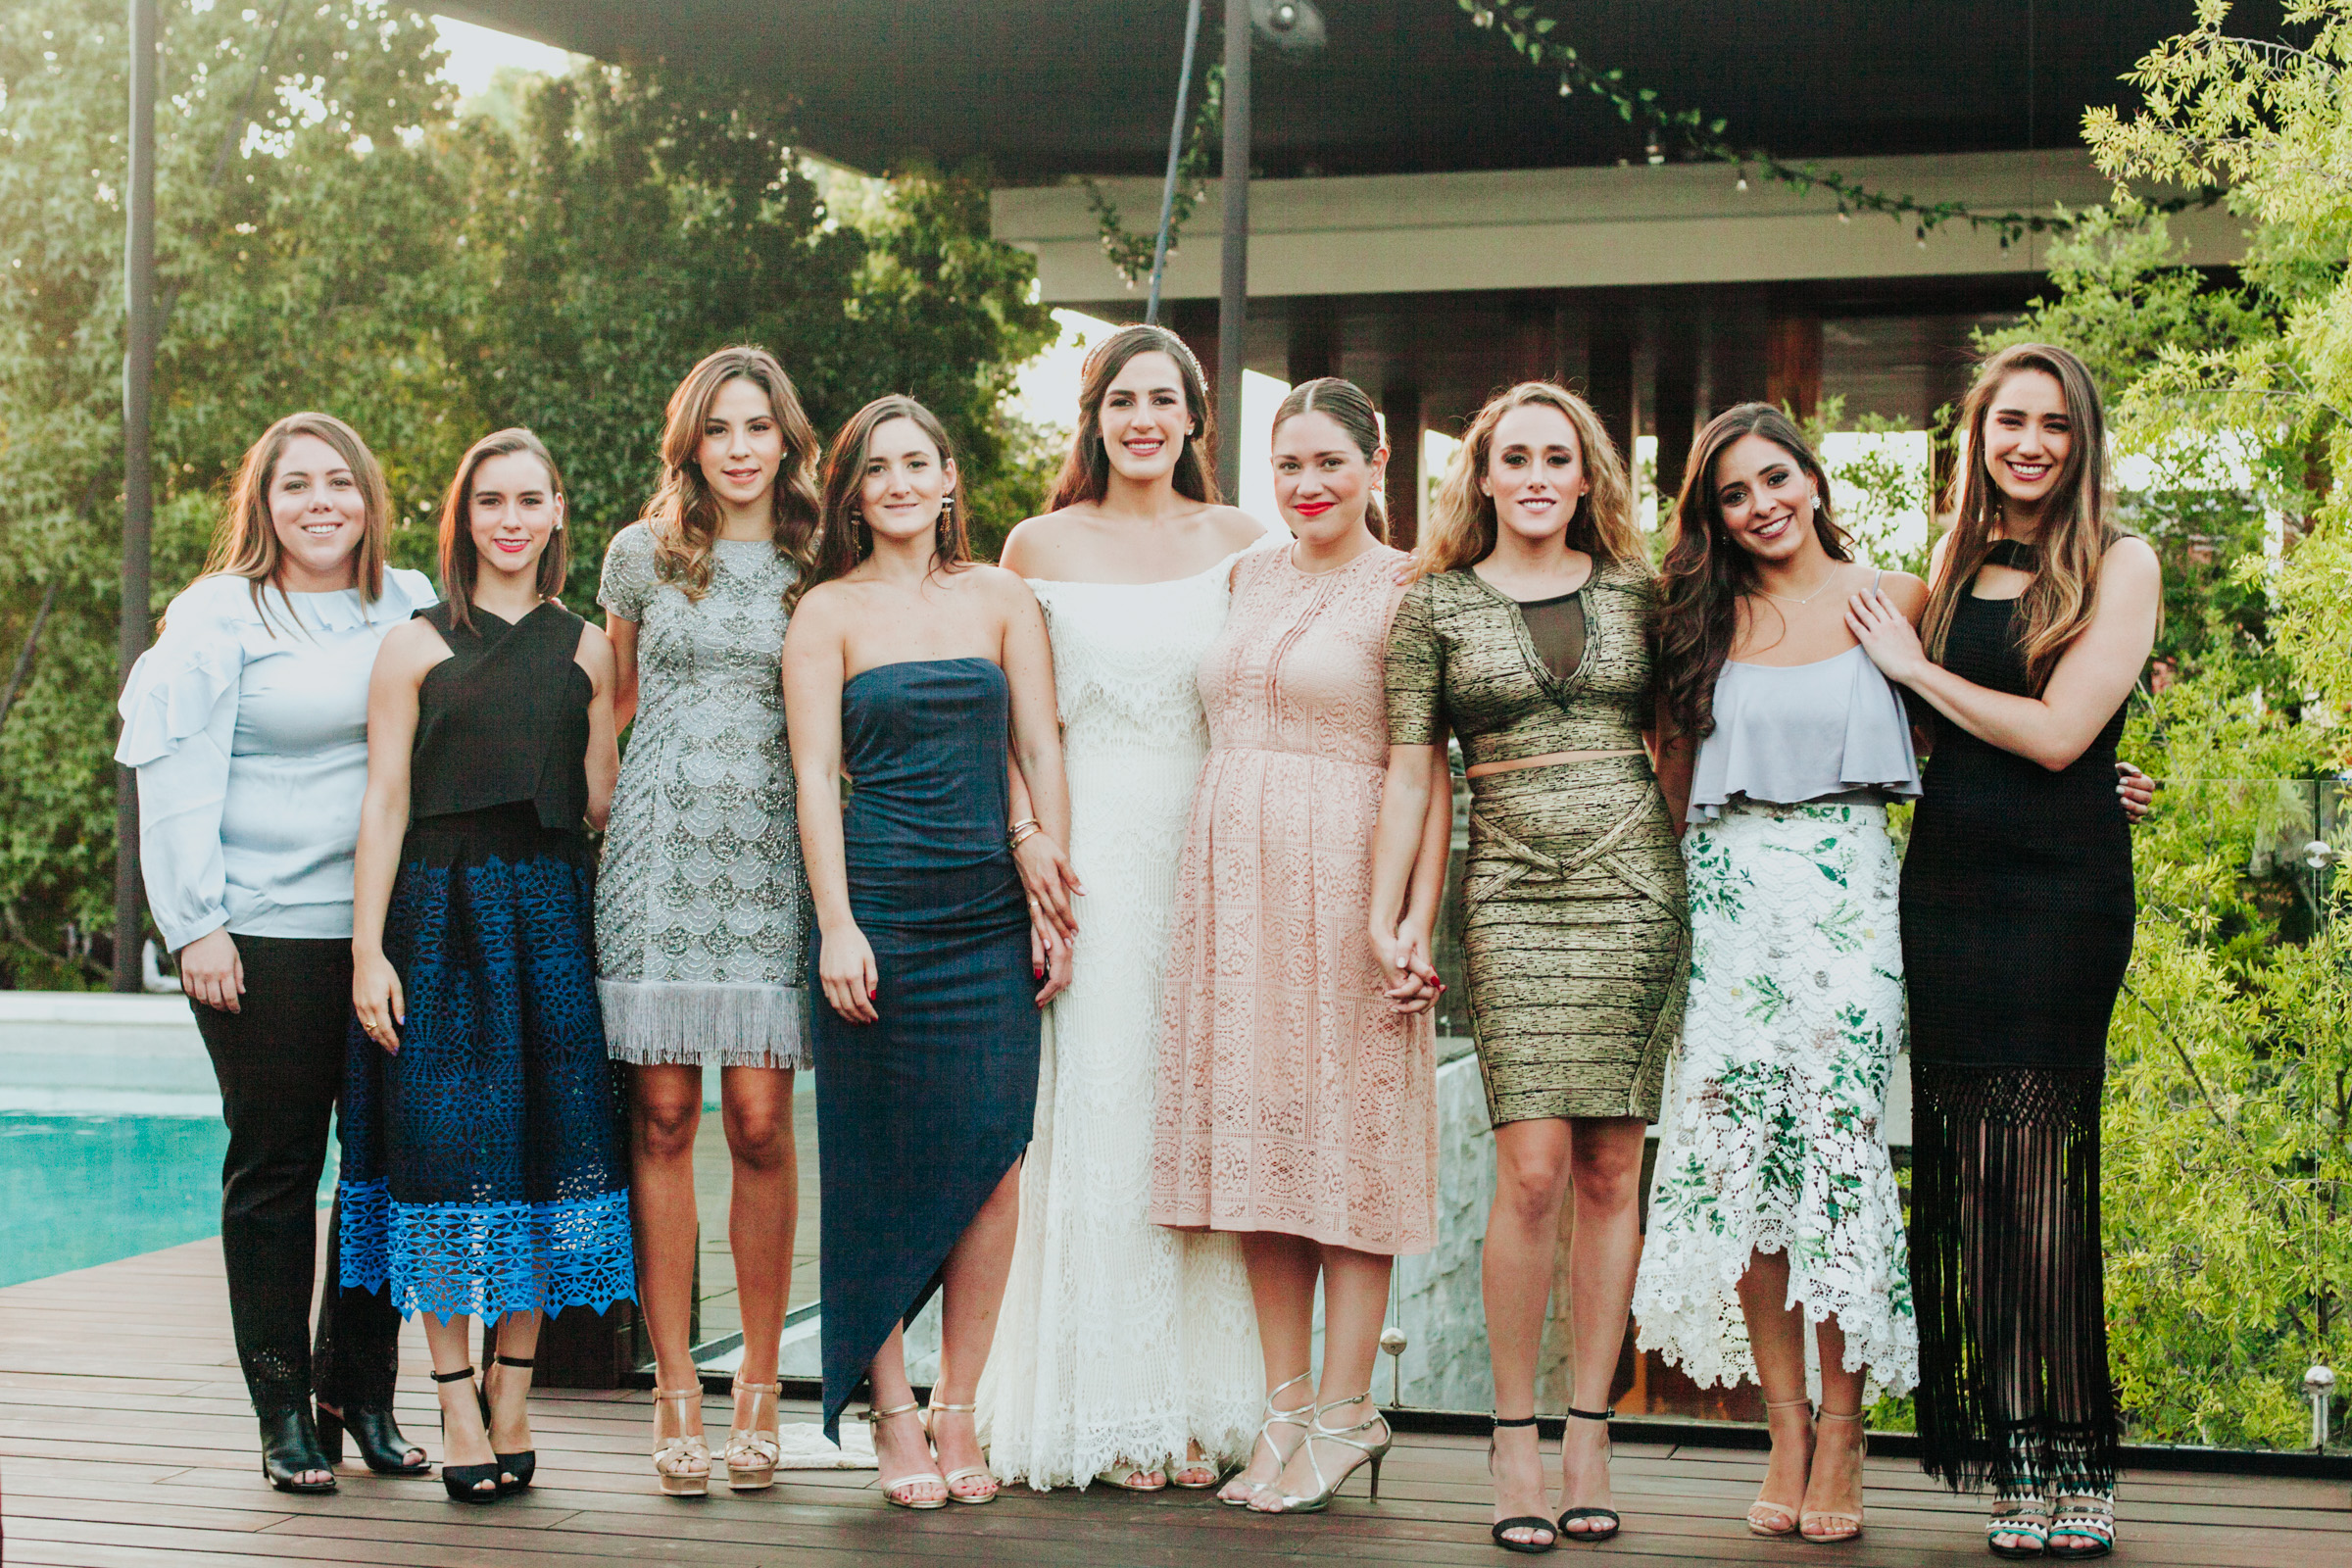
[920, 1114]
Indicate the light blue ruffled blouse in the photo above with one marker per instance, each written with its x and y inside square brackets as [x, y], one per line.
[1789, 733]
[248, 727]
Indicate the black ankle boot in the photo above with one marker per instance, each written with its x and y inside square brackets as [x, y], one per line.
[290, 1446]
[375, 1433]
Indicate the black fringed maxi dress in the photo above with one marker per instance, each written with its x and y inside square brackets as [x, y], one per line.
[920, 1113]
[2017, 919]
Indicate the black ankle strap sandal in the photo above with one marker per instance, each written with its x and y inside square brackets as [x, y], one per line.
[1608, 1523]
[1525, 1521]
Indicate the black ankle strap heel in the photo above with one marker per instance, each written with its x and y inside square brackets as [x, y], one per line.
[464, 1482]
[514, 1470]
[1606, 1523]
[1525, 1521]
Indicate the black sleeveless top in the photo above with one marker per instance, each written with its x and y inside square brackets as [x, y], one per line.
[503, 719]
[2017, 892]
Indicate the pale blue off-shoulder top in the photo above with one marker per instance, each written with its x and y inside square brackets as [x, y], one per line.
[1789, 733]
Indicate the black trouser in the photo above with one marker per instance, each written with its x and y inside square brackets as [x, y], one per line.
[281, 1066]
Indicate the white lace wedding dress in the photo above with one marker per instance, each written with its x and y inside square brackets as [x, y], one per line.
[1119, 1341]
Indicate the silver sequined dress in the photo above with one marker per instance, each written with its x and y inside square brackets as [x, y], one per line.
[702, 911]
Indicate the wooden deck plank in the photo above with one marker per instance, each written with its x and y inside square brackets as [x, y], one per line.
[126, 1440]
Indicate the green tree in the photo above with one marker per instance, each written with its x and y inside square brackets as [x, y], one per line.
[299, 248]
[333, 235]
[642, 217]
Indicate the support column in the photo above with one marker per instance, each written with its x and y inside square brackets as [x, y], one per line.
[138, 478]
[1675, 399]
[1793, 363]
[1401, 412]
[1233, 306]
[1194, 320]
[1313, 347]
[1610, 373]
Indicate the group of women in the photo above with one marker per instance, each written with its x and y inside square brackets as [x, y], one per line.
[1099, 887]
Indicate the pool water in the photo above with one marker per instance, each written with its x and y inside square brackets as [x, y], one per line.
[80, 1190]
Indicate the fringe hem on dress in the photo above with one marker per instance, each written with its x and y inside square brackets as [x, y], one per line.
[2008, 1273]
[698, 1023]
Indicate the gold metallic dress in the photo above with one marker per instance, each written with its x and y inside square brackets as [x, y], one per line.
[1575, 919]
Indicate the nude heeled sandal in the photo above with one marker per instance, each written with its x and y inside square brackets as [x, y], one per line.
[930, 1422]
[684, 1461]
[1821, 1524]
[1767, 1518]
[889, 1489]
[753, 1453]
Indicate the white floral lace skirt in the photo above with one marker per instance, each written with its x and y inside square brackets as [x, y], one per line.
[1771, 1137]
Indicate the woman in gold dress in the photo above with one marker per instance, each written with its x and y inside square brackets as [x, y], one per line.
[1527, 638]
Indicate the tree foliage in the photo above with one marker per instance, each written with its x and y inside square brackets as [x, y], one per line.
[334, 234]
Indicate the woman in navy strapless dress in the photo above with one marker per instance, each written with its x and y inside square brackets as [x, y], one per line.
[915, 674]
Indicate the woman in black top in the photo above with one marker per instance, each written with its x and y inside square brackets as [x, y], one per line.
[484, 1167]
[2017, 918]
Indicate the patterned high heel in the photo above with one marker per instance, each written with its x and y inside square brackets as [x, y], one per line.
[1328, 1487]
[1609, 1523]
[966, 1472]
[753, 1453]
[2082, 1524]
[1767, 1518]
[1834, 1527]
[682, 1461]
[891, 1489]
[1284, 1415]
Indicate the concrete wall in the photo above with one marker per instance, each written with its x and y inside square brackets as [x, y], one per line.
[1574, 228]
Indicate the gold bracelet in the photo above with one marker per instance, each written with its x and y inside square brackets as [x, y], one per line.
[1022, 829]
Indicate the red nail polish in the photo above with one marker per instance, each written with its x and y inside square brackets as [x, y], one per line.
[872, 993]
[1036, 973]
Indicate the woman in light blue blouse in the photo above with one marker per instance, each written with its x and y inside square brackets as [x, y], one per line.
[247, 722]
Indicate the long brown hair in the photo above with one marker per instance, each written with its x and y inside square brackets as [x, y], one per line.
[1708, 572]
[2075, 526]
[1086, 471]
[683, 516]
[1462, 523]
[1344, 404]
[845, 540]
[245, 540]
[460, 562]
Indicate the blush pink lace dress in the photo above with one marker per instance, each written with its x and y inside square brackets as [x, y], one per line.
[1291, 1098]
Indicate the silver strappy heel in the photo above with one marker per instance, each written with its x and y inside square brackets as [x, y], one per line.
[1284, 1415]
[1328, 1487]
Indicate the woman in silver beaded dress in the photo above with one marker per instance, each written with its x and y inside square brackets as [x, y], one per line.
[702, 907]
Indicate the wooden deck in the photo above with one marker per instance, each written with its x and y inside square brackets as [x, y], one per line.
[125, 1440]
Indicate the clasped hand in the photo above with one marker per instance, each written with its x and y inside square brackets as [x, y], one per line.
[1411, 978]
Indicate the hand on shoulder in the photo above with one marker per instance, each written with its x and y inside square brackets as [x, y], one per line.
[1908, 593]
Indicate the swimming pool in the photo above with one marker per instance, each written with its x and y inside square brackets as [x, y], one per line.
[77, 1191]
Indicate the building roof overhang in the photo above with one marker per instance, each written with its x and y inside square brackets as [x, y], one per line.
[1042, 89]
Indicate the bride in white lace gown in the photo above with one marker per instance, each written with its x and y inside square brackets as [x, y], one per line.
[1123, 1349]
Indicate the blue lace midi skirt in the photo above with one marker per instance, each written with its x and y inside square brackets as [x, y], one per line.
[484, 1166]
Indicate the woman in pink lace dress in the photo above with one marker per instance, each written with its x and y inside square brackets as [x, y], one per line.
[1296, 1099]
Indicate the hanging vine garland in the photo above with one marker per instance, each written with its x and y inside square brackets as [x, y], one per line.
[1689, 132]
[1132, 253]
[1700, 139]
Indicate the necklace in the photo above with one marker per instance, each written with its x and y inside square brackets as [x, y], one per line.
[1809, 598]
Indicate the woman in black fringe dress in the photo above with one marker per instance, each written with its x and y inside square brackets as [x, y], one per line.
[2017, 918]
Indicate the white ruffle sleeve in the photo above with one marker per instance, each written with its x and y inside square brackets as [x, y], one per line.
[179, 719]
